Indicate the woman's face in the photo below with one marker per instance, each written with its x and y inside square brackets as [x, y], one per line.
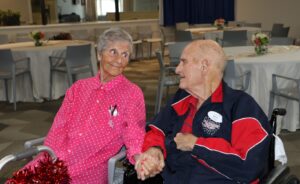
[114, 59]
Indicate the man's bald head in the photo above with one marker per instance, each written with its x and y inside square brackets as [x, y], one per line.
[210, 50]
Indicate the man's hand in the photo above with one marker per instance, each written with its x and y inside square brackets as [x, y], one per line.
[149, 163]
[185, 142]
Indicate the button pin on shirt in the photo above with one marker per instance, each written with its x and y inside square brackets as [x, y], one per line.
[112, 112]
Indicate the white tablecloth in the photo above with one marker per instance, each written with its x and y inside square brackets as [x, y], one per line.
[213, 34]
[283, 60]
[40, 69]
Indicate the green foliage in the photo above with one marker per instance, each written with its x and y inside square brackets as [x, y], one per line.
[9, 18]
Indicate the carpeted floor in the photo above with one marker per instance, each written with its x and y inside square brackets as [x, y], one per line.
[33, 120]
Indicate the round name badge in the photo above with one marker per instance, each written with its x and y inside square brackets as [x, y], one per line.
[216, 117]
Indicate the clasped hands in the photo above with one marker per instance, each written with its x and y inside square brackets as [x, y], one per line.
[151, 162]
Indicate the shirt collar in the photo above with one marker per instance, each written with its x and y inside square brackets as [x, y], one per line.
[96, 83]
[181, 106]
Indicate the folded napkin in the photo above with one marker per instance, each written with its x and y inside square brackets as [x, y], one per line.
[279, 150]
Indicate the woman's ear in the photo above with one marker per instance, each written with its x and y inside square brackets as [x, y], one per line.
[99, 56]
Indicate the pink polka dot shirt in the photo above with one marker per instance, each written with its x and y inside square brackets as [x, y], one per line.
[93, 123]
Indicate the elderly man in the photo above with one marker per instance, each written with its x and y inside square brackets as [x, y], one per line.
[208, 133]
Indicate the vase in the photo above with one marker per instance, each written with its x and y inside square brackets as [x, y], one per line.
[220, 27]
[37, 42]
[261, 49]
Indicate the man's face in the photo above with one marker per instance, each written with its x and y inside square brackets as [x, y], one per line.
[114, 59]
[190, 69]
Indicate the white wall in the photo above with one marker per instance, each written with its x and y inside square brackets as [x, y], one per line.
[66, 7]
[270, 11]
[18, 6]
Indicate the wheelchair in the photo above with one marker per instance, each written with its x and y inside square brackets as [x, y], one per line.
[277, 174]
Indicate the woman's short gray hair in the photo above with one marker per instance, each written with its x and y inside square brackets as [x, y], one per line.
[114, 34]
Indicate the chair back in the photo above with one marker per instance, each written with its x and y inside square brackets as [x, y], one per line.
[81, 34]
[3, 38]
[236, 23]
[183, 36]
[182, 26]
[79, 55]
[144, 32]
[234, 38]
[175, 51]
[161, 63]
[6, 60]
[285, 31]
[276, 30]
[256, 24]
[281, 41]
[23, 37]
[229, 73]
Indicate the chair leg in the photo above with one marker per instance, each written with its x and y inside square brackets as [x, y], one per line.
[158, 97]
[271, 104]
[6, 89]
[31, 83]
[50, 90]
[167, 92]
[150, 50]
[14, 92]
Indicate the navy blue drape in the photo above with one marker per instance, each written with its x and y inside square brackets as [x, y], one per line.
[197, 11]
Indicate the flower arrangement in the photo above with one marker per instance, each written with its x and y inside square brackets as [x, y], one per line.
[219, 23]
[261, 41]
[37, 36]
[62, 36]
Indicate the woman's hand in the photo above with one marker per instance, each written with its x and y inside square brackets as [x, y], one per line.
[150, 163]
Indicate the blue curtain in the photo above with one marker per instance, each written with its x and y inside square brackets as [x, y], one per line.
[197, 11]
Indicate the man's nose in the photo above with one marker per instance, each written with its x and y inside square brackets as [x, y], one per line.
[178, 69]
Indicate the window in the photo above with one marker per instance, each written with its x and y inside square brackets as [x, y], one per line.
[104, 6]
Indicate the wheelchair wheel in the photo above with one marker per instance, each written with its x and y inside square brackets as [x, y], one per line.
[292, 179]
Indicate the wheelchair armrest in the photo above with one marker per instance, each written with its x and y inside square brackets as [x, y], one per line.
[277, 174]
[112, 164]
[30, 143]
[284, 77]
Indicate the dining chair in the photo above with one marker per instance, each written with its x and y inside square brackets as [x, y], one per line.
[165, 39]
[3, 38]
[23, 37]
[149, 37]
[276, 30]
[175, 51]
[285, 31]
[252, 24]
[291, 91]
[137, 43]
[10, 69]
[77, 61]
[182, 26]
[167, 78]
[234, 79]
[236, 23]
[282, 41]
[183, 36]
[234, 38]
[80, 34]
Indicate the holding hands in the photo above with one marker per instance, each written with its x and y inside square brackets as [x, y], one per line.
[150, 163]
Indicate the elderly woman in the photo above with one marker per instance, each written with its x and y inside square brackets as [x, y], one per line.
[100, 114]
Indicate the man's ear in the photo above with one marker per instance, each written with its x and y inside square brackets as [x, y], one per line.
[204, 64]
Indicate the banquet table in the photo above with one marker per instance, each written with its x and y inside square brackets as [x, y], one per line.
[282, 60]
[40, 69]
[213, 33]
